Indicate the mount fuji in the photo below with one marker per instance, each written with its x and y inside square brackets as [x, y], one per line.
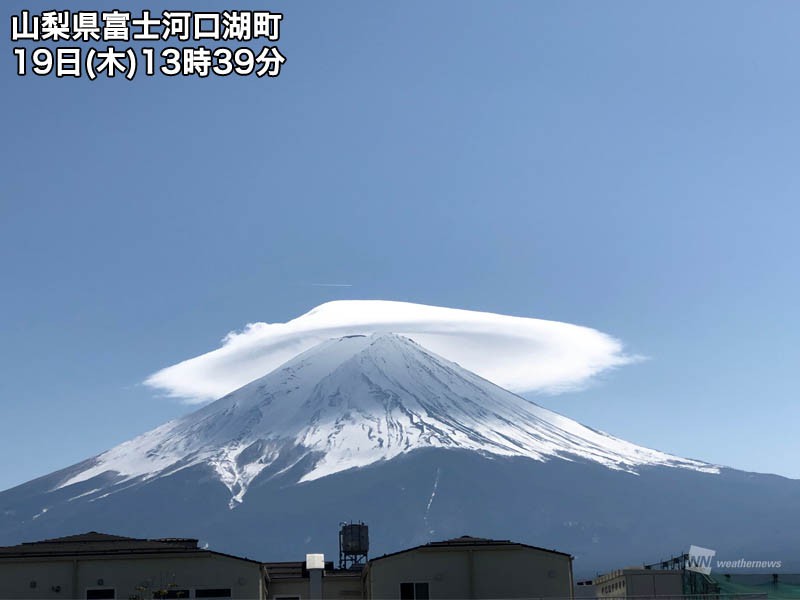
[378, 428]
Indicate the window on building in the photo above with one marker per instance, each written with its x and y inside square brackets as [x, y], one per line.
[414, 591]
[213, 593]
[100, 594]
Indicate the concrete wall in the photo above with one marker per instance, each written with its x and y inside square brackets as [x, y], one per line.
[16, 579]
[333, 588]
[641, 584]
[128, 576]
[477, 572]
[341, 588]
[655, 584]
[288, 588]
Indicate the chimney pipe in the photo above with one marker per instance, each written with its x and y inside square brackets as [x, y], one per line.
[315, 565]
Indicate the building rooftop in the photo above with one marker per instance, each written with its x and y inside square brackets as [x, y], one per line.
[94, 543]
[469, 541]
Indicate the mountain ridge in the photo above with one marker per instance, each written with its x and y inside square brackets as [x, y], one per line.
[352, 401]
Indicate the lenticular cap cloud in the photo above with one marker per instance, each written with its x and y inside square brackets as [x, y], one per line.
[518, 353]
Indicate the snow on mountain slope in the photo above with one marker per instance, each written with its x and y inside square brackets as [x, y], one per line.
[353, 401]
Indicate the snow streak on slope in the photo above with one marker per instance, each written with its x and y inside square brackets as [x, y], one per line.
[353, 401]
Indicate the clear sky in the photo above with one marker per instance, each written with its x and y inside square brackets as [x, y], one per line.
[629, 166]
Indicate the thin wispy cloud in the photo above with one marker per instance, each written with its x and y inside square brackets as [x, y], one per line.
[518, 353]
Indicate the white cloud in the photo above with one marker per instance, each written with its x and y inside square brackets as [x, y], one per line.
[517, 353]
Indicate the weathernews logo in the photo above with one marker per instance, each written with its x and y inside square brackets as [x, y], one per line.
[701, 560]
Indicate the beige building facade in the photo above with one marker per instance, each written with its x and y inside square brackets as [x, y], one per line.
[96, 566]
[640, 583]
[470, 567]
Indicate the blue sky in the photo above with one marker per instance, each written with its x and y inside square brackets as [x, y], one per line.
[629, 166]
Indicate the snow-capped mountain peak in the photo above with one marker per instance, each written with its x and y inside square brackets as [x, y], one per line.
[353, 401]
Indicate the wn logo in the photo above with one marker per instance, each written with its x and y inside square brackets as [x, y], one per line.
[700, 559]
